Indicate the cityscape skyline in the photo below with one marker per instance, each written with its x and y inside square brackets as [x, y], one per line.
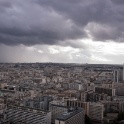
[57, 93]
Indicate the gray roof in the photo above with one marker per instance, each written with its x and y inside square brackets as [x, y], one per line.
[69, 114]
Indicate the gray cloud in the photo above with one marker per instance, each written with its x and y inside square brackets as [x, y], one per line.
[55, 21]
[94, 52]
[118, 1]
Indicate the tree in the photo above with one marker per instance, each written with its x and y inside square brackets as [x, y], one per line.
[105, 113]
[87, 120]
[120, 116]
[105, 122]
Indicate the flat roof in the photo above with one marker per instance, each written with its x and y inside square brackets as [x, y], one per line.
[27, 109]
[66, 116]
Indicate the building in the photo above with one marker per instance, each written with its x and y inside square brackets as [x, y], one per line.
[81, 104]
[39, 102]
[57, 108]
[17, 114]
[84, 96]
[119, 89]
[72, 116]
[113, 106]
[108, 91]
[96, 111]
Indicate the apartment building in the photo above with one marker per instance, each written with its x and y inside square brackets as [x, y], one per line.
[72, 116]
[57, 108]
[41, 102]
[113, 106]
[17, 114]
[96, 111]
[108, 91]
[119, 89]
[81, 104]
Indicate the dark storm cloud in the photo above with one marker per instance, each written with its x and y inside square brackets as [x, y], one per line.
[105, 13]
[118, 1]
[4, 4]
[54, 21]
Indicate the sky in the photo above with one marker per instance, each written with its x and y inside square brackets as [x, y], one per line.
[62, 31]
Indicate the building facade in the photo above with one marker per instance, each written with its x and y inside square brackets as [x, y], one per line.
[17, 114]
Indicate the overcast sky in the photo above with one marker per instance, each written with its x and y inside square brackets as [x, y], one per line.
[74, 31]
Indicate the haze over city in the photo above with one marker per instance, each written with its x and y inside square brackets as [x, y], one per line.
[71, 31]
